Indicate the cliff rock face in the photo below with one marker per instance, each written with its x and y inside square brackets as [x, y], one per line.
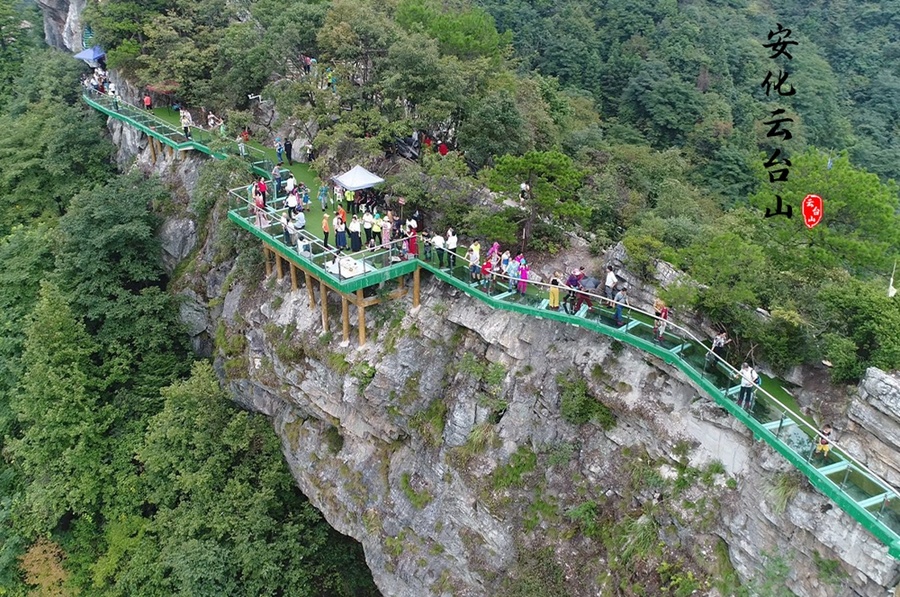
[62, 23]
[449, 476]
[873, 431]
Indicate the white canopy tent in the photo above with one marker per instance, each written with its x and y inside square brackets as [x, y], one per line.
[357, 178]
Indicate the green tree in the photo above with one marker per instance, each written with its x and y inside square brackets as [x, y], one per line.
[51, 146]
[19, 35]
[356, 33]
[731, 270]
[107, 244]
[430, 86]
[493, 127]
[227, 517]
[467, 32]
[863, 324]
[63, 423]
[860, 228]
[552, 179]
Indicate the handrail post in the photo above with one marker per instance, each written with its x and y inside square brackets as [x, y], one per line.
[780, 424]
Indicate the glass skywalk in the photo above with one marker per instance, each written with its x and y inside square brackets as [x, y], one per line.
[860, 492]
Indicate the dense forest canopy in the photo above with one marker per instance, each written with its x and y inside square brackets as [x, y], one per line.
[125, 470]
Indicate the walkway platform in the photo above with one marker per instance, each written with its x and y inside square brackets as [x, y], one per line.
[861, 493]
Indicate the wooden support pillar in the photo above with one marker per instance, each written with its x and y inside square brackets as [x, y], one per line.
[415, 288]
[362, 316]
[309, 288]
[152, 143]
[278, 266]
[293, 276]
[345, 316]
[324, 298]
[266, 258]
[400, 282]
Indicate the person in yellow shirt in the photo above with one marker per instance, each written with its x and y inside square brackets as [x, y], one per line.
[555, 282]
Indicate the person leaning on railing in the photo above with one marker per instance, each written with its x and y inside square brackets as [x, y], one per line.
[437, 241]
[749, 379]
[621, 300]
[451, 243]
[288, 230]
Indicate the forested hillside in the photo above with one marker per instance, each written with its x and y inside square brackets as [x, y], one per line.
[642, 122]
[125, 470]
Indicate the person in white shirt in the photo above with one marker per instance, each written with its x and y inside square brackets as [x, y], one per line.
[292, 204]
[437, 241]
[748, 384]
[368, 219]
[354, 228]
[451, 248]
[291, 184]
[611, 282]
[288, 229]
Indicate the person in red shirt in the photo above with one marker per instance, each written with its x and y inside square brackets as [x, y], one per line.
[487, 277]
[148, 103]
[413, 242]
[261, 187]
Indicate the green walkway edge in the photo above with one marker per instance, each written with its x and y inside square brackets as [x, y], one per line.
[828, 487]
[351, 285]
[153, 126]
[817, 478]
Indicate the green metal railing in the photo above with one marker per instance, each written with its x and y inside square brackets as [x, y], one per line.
[860, 492]
[342, 270]
[209, 142]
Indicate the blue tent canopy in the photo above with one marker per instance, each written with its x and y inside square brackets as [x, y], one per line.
[91, 54]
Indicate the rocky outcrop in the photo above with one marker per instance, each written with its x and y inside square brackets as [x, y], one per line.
[62, 23]
[807, 528]
[400, 444]
[873, 431]
[178, 237]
